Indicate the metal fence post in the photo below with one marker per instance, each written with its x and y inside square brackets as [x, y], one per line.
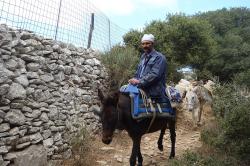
[109, 35]
[91, 29]
[58, 18]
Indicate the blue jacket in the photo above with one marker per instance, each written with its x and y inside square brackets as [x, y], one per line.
[151, 72]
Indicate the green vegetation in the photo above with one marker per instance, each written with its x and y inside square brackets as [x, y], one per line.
[121, 63]
[191, 159]
[215, 43]
[81, 147]
[232, 134]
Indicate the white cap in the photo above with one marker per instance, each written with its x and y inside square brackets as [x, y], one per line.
[148, 37]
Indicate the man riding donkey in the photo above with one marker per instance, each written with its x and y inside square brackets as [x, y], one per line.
[151, 71]
[117, 108]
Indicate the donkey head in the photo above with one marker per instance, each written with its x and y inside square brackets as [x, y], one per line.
[192, 100]
[108, 115]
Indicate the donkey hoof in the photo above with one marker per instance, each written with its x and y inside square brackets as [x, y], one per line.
[160, 147]
[139, 164]
[171, 156]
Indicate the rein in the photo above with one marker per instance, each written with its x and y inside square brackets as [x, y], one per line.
[118, 123]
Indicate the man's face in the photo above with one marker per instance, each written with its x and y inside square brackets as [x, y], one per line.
[147, 46]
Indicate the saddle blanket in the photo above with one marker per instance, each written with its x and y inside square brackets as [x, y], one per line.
[141, 108]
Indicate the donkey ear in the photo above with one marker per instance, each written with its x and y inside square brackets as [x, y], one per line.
[100, 95]
[115, 96]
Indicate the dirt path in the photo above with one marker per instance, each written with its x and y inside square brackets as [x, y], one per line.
[187, 138]
[118, 152]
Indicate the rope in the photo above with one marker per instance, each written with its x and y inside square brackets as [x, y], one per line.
[146, 102]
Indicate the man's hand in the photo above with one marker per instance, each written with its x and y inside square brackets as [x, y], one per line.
[134, 81]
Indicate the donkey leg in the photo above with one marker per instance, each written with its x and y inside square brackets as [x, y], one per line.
[135, 151]
[200, 112]
[159, 142]
[140, 158]
[172, 137]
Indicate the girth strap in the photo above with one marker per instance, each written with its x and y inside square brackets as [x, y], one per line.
[148, 102]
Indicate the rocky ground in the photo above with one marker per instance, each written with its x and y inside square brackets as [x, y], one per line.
[118, 152]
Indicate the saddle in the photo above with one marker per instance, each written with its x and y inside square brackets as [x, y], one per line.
[144, 106]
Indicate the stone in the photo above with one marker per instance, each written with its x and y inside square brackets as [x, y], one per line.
[35, 138]
[2, 114]
[67, 70]
[59, 77]
[36, 113]
[15, 117]
[23, 80]
[22, 132]
[26, 109]
[57, 129]
[16, 105]
[32, 75]
[4, 134]
[29, 58]
[37, 82]
[34, 105]
[3, 150]
[5, 163]
[53, 114]
[24, 35]
[5, 74]
[96, 72]
[16, 91]
[37, 124]
[4, 101]
[101, 162]
[33, 130]
[35, 155]
[33, 67]
[14, 131]
[5, 108]
[57, 137]
[46, 134]
[4, 89]
[94, 108]
[23, 145]
[29, 91]
[84, 108]
[10, 140]
[47, 77]
[24, 50]
[86, 98]
[76, 79]
[4, 127]
[11, 65]
[44, 117]
[90, 62]
[105, 148]
[48, 142]
[67, 154]
[66, 51]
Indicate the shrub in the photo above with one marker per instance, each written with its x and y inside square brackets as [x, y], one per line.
[81, 147]
[121, 63]
[192, 158]
[232, 135]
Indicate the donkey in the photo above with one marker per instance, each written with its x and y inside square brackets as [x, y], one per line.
[196, 98]
[116, 114]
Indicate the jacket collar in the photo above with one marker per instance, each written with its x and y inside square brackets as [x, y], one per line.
[150, 54]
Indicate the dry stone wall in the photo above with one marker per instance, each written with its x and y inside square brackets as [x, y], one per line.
[48, 91]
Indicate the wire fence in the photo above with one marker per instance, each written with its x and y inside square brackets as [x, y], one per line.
[72, 21]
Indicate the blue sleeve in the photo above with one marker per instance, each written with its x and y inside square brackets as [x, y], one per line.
[158, 68]
[138, 70]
